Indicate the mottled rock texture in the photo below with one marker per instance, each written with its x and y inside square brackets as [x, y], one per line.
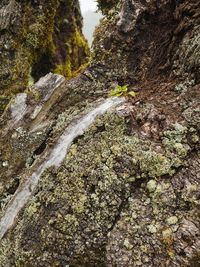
[128, 191]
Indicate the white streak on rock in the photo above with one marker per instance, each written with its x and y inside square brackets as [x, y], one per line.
[54, 158]
[18, 107]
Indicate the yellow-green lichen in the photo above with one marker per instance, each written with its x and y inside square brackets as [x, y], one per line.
[89, 188]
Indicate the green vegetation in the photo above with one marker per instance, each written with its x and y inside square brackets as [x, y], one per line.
[76, 59]
[122, 91]
[47, 39]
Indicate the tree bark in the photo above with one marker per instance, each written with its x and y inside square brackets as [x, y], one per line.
[37, 37]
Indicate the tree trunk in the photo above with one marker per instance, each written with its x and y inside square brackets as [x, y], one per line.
[37, 37]
[127, 192]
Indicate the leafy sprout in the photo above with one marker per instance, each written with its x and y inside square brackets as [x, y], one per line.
[122, 91]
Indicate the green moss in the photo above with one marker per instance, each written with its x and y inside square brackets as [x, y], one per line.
[74, 63]
[41, 33]
[64, 69]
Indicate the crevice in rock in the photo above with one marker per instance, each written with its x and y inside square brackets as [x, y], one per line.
[42, 67]
[118, 216]
[40, 149]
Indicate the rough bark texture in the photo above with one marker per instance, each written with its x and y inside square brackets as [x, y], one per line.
[37, 37]
[127, 193]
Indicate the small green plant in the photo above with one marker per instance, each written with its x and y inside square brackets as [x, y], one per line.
[122, 91]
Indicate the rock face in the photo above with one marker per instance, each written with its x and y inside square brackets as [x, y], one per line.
[37, 37]
[127, 192]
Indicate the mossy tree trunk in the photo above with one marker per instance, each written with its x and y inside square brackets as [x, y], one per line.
[37, 37]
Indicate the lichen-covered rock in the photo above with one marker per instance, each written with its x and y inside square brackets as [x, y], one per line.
[129, 54]
[102, 208]
[127, 192]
